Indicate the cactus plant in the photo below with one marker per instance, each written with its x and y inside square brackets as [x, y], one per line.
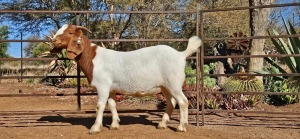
[243, 83]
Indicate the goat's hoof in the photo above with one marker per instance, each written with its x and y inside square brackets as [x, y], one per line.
[181, 129]
[94, 130]
[94, 133]
[161, 126]
[114, 127]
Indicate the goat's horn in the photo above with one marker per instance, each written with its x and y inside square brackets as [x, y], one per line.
[49, 37]
[48, 43]
[52, 33]
[84, 28]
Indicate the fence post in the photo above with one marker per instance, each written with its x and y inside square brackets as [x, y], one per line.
[21, 58]
[0, 71]
[78, 73]
[198, 67]
[201, 57]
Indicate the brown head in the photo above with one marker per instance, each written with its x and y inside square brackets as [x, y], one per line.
[69, 37]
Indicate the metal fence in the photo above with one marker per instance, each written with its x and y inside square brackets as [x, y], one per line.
[200, 57]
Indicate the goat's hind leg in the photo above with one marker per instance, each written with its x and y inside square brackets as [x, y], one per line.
[169, 110]
[115, 117]
[183, 106]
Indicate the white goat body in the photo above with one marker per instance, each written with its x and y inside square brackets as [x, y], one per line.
[138, 72]
[141, 72]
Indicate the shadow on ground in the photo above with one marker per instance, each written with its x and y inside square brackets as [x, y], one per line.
[89, 121]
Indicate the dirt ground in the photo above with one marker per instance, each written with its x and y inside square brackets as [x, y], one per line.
[21, 117]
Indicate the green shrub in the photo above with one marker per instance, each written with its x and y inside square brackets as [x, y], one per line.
[30, 80]
[208, 81]
[277, 84]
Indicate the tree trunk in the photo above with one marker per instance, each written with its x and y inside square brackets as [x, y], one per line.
[219, 69]
[258, 25]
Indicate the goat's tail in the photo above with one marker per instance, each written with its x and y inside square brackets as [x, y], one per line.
[193, 44]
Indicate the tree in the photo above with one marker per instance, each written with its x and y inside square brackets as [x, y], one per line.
[114, 26]
[144, 26]
[258, 24]
[35, 49]
[4, 45]
[36, 23]
[30, 46]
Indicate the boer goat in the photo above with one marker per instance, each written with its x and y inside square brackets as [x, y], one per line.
[141, 72]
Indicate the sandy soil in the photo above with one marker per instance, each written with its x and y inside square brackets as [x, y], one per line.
[20, 118]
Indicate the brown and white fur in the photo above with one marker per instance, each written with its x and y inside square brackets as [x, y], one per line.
[141, 72]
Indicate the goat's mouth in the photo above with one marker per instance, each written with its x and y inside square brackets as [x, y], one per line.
[55, 50]
[71, 54]
[57, 44]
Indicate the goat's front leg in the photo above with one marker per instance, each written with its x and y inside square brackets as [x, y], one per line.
[102, 100]
[113, 109]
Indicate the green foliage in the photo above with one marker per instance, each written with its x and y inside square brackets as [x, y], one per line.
[71, 83]
[291, 47]
[35, 49]
[39, 49]
[62, 67]
[190, 71]
[208, 81]
[293, 83]
[213, 101]
[280, 86]
[285, 84]
[30, 80]
[276, 84]
[4, 45]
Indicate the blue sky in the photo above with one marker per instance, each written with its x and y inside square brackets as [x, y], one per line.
[15, 47]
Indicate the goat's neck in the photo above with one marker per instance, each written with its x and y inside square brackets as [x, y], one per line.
[84, 60]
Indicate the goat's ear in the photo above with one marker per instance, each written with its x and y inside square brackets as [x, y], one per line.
[75, 47]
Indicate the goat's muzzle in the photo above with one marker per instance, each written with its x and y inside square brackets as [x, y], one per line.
[55, 50]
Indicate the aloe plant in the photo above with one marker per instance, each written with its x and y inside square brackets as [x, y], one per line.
[62, 67]
[280, 83]
[292, 46]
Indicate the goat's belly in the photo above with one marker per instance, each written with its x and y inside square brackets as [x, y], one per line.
[138, 93]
